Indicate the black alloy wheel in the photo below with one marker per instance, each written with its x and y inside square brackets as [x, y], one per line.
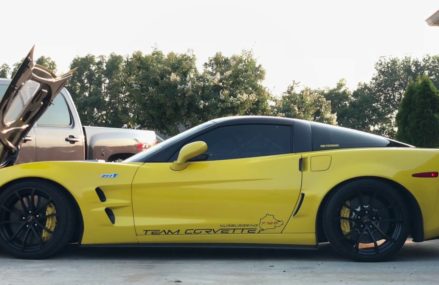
[36, 219]
[366, 220]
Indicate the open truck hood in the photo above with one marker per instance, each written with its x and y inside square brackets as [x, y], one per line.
[36, 87]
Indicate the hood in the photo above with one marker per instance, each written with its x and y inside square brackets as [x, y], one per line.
[35, 87]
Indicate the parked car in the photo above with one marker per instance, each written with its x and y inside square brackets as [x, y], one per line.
[59, 134]
[261, 181]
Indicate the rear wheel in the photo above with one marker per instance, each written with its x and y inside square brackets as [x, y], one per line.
[366, 220]
[36, 219]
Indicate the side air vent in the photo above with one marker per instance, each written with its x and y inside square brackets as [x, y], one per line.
[101, 194]
[110, 215]
[299, 204]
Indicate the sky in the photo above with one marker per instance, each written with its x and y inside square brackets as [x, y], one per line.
[314, 42]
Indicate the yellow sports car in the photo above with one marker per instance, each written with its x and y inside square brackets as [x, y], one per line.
[258, 181]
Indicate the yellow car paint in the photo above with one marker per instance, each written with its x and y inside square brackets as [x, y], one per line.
[249, 200]
[214, 199]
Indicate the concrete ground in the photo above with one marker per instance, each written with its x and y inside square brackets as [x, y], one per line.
[416, 264]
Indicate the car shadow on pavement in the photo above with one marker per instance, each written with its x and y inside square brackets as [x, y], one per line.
[410, 252]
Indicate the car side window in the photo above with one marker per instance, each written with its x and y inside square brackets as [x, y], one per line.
[57, 115]
[241, 141]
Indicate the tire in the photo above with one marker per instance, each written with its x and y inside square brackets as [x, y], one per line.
[366, 220]
[37, 219]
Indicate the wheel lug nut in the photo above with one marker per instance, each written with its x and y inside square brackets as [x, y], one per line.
[30, 212]
[35, 224]
[23, 218]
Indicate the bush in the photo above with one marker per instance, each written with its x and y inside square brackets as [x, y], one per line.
[418, 114]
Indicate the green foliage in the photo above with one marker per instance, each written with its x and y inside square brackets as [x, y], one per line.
[167, 92]
[418, 115]
[383, 94]
[44, 61]
[233, 86]
[307, 104]
[163, 90]
[87, 88]
[4, 70]
[340, 97]
[362, 113]
[47, 62]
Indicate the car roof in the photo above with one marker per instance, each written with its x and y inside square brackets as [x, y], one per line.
[254, 120]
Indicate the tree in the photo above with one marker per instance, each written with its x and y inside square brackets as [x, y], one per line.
[86, 87]
[384, 92]
[47, 62]
[118, 106]
[233, 86]
[363, 113]
[4, 70]
[163, 90]
[418, 115]
[307, 104]
[340, 98]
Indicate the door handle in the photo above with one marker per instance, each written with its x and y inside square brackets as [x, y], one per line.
[27, 139]
[72, 139]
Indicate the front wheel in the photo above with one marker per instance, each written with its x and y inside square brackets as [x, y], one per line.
[366, 220]
[36, 219]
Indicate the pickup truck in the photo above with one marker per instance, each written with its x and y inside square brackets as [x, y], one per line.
[59, 135]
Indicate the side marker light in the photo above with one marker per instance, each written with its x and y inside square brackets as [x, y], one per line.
[432, 174]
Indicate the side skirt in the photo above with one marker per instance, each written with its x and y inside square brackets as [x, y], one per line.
[205, 245]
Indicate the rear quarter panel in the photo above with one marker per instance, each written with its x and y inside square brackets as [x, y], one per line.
[396, 164]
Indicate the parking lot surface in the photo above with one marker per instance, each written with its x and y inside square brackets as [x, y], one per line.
[416, 264]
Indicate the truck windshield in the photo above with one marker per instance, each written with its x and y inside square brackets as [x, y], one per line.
[3, 90]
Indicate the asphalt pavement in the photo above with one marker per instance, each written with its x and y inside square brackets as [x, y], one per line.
[417, 263]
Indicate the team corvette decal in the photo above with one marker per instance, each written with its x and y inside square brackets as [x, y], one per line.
[268, 222]
[202, 231]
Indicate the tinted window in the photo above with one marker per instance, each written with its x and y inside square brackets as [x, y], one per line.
[241, 141]
[331, 137]
[57, 114]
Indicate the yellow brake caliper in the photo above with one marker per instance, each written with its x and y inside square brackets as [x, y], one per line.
[344, 223]
[50, 222]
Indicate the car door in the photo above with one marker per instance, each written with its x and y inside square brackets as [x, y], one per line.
[247, 184]
[27, 147]
[57, 135]
[28, 95]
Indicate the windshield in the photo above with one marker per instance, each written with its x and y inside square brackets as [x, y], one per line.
[3, 90]
[156, 148]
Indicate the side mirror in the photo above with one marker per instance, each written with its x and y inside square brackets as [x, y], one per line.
[188, 152]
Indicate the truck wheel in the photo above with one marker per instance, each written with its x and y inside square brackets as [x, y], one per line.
[36, 219]
[366, 220]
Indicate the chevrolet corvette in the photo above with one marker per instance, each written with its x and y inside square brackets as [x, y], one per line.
[235, 181]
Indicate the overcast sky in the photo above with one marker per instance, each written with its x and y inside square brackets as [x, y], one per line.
[315, 42]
